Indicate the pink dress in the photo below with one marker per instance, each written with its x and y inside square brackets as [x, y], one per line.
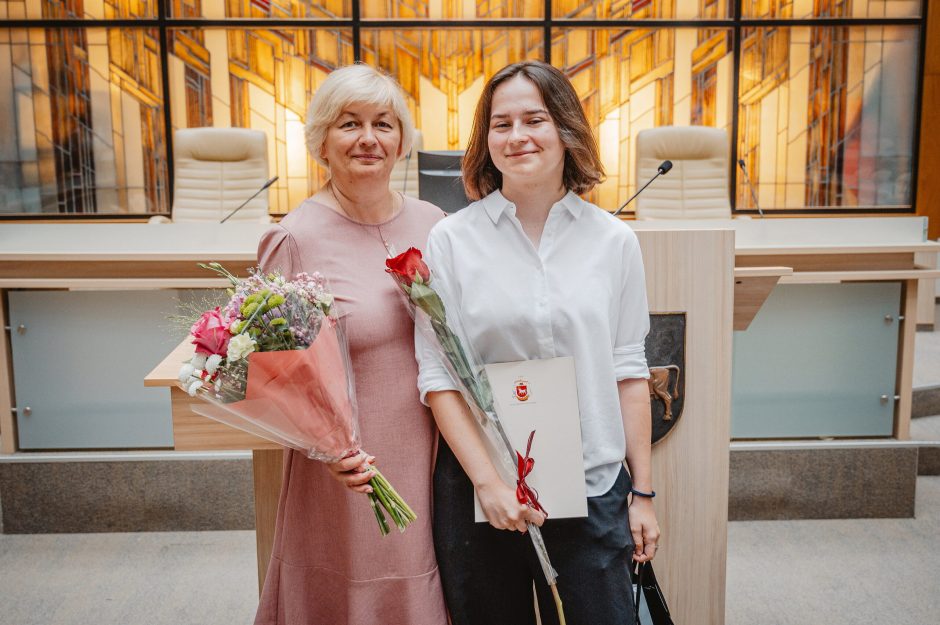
[330, 565]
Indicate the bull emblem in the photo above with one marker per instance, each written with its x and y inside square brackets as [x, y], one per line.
[660, 387]
[665, 343]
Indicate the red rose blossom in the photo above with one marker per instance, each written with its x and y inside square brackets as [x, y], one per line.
[407, 265]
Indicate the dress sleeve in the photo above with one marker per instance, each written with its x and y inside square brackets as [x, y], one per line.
[277, 250]
[433, 374]
[633, 323]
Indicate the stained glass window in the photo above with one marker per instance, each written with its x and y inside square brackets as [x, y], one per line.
[804, 9]
[87, 134]
[261, 79]
[442, 72]
[261, 9]
[441, 10]
[642, 9]
[629, 80]
[78, 9]
[825, 116]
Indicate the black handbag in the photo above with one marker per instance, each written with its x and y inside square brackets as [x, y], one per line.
[649, 602]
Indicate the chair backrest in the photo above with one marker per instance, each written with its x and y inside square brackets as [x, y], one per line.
[404, 176]
[216, 170]
[697, 186]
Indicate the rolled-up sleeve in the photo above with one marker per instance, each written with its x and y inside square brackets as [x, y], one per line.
[633, 322]
[433, 374]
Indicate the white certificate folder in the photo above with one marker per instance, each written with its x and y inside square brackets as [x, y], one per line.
[542, 395]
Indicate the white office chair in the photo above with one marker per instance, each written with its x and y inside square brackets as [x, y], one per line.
[215, 171]
[404, 176]
[697, 186]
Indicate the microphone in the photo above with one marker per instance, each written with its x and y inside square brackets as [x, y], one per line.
[747, 181]
[245, 203]
[662, 170]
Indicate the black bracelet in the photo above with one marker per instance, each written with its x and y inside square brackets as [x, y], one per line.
[640, 493]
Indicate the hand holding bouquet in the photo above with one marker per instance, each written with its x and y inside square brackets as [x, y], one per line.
[274, 362]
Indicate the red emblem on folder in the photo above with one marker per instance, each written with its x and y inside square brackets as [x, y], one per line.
[522, 389]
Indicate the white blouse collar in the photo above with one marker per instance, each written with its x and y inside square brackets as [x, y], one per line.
[495, 204]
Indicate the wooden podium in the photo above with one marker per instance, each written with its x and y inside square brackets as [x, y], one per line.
[690, 271]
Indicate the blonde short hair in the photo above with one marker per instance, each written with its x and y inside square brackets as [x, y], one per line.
[348, 85]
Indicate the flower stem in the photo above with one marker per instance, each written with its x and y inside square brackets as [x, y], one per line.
[558, 608]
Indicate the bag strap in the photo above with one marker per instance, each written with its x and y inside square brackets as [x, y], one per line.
[639, 591]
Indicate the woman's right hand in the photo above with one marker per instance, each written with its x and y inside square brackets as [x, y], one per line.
[503, 510]
[353, 472]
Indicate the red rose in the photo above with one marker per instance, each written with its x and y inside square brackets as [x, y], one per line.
[407, 265]
[210, 334]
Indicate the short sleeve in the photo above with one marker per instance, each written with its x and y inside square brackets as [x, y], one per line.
[633, 322]
[277, 250]
[433, 374]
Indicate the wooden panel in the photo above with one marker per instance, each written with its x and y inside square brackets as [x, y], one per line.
[926, 292]
[267, 467]
[905, 380]
[752, 287]
[166, 373]
[692, 271]
[928, 183]
[8, 441]
[883, 275]
[829, 262]
[110, 284]
[193, 432]
[122, 269]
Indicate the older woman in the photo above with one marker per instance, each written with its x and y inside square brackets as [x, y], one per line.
[330, 565]
[537, 272]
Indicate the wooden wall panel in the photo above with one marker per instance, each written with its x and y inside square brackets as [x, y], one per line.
[928, 168]
[692, 271]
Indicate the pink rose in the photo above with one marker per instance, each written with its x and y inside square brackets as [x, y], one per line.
[210, 334]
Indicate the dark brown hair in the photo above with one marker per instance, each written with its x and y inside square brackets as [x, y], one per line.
[583, 168]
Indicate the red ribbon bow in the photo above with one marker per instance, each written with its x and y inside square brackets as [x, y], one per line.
[525, 493]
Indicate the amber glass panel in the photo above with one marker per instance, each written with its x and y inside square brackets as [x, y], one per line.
[443, 71]
[442, 10]
[642, 9]
[826, 116]
[261, 9]
[85, 113]
[799, 9]
[630, 80]
[78, 9]
[261, 79]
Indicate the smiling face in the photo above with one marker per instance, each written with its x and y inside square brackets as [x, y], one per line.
[523, 139]
[364, 141]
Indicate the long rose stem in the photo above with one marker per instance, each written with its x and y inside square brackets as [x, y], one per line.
[558, 608]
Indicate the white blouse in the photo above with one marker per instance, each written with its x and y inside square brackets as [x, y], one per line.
[582, 293]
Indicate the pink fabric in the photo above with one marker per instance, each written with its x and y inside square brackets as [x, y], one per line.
[330, 565]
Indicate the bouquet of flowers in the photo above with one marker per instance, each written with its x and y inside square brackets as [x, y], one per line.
[431, 320]
[274, 362]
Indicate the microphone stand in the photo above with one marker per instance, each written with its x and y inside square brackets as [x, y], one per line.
[747, 181]
[245, 203]
[664, 168]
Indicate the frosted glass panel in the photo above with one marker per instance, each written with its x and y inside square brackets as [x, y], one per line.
[80, 367]
[816, 361]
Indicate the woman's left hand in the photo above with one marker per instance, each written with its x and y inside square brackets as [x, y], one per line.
[644, 528]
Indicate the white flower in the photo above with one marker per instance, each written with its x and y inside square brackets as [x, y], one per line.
[325, 299]
[195, 386]
[212, 363]
[186, 371]
[240, 346]
[198, 361]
